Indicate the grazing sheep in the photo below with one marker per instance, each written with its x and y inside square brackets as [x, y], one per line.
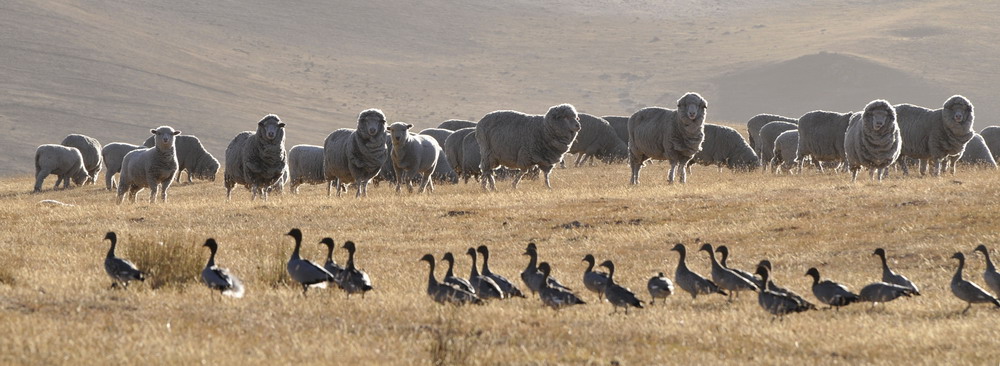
[991, 135]
[620, 124]
[413, 154]
[305, 165]
[90, 148]
[785, 147]
[356, 155]
[821, 137]
[453, 148]
[597, 139]
[443, 171]
[766, 136]
[193, 158]
[152, 168]
[471, 157]
[872, 140]
[456, 124]
[932, 135]
[665, 134]
[257, 159]
[725, 146]
[756, 123]
[520, 141]
[65, 162]
[976, 153]
[112, 154]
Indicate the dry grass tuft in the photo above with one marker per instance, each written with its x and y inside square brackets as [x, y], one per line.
[451, 343]
[172, 263]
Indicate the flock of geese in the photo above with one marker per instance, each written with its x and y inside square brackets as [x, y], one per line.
[485, 285]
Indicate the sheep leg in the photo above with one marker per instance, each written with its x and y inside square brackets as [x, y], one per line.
[39, 179]
[424, 182]
[109, 183]
[672, 172]
[410, 176]
[636, 164]
[399, 178]
[163, 190]
[517, 178]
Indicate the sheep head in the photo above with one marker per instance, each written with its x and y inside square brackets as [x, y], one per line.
[957, 115]
[563, 117]
[271, 128]
[692, 107]
[878, 114]
[398, 132]
[165, 136]
[371, 123]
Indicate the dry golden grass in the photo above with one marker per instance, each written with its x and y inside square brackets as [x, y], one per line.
[56, 307]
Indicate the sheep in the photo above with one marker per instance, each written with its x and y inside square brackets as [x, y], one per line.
[112, 155]
[453, 148]
[193, 158]
[821, 137]
[151, 168]
[932, 135]
[521, 141]
[305, 165]
[256, 159]
[725, 146]
[977, 153]
[90, 148]
[766, 136]
[872, 140]
[759, 121]
[785, 147]
[443, 171]
[620, 124]
[413, 154]
[63, 161]
[991, 135]
[665, 134]
[356, 155]
[456, 124]
[597, 139]
[471, 158]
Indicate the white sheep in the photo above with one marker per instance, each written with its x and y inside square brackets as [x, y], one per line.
[152, 168]
[193, 158]
[65, 162]
[766, 136]
[90, 148]
[821, 137]
[756, 123]
[305, 165]
[872, 140]
[991, 135]
[413, 154]
[666, 134]
[521, 141]
[112, 154]
[932, 135]
[785, 147]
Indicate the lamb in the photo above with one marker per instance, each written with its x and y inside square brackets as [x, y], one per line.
[356, 155]
[456, 124]
[453, 148]
[725, 146]
[521, 141]
[620, 124]
[65, 162]
[90, 148]
[991, 135]
[256, 159]
[305, 165]
[766, 136]
[785, 147]
[872, 140]
[759, 121]
[413, 154]
[193, 158]
[597, 139]
[977, 153]
[112, 155]
[443, 171]
[151, 168]
[932, 135]
[821, 137]
[665, 134]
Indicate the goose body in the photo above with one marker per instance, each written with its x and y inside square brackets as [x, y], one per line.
[595, 281]
[659, 287]
[968, 291]
[305, 272]
[453, 280]
[777, 303]
[485, 287]
[532, 277]
[883, 292]
[331, 265]
[990, 275]
[888, 276]
[829, 292]
[555, 297]
[446, 294]
[724, 252]
[691, 281]
[617, 295]
[218, 278]
[508, 287]
[354, 280]
[120, 270]
[771, 286]
[725, 278]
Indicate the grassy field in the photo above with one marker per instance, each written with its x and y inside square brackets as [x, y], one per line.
[56, 307]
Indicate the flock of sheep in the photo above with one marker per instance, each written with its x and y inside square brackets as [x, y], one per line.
[512, 144]
[537, 276]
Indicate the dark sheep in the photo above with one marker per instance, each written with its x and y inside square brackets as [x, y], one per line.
[872, 140]
[597, 139]
[620, 124]
[257, 160]
[90, 148]
[356, 155]
[766, 137]
[456, 124]
[724, 146]
[757, 122]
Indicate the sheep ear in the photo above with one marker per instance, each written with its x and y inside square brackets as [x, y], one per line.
[409, 125]
[177, 133]
[152, 131]
[281, 125]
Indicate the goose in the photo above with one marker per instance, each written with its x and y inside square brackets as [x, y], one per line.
[485, 287]
[659, 287]
[690, 281]
[354, 280]
[777, 303]
[331, 265]
[966, 290]
[990, 275]
[120, 270]
[618, 295]
[509, 288]
[531, 276]
[305, 272]
[555, 297]
[888, 276]
[444, 293]
[724, 252]
[771, 286]
[218, 278]
[595, 281]
[725, 278]
[883, 292]
[453, 280]
[829, 292]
